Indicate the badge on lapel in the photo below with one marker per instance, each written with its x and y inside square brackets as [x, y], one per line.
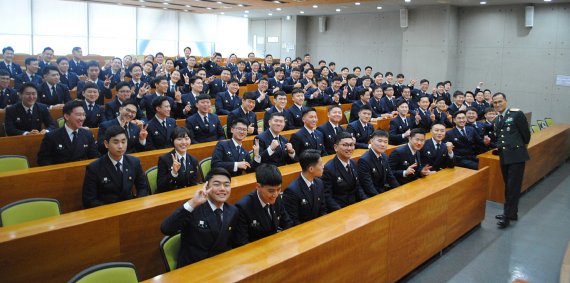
[254, 223]
[297, 116]
[306, 144]
[155, 133]
[428, 153]
[197, 128]
[304, 202]
[339, 179]
[455, 139]
[59, 146]
[229, 154]
[18, 119]
[106, 180]
[202, 225]
[85, 145]
[373, 170]
[405, 163]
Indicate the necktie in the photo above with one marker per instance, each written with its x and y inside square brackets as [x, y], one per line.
[437, 147]
[171, 88]
[53, 90]
[10, 68]
[405, 121]
[127, 129]
[313, 136]
[182, 165]
[164, 124]
[218, 213]
[74, 139]
[137, 86]
[206, 123]
[336, 130]
[349, 169]
[64, 77]
[118, 166]
[462, 132]
[278, 140]
[500, 120]
[238, 150]
[30, 112]
[90, 107]
[268, 209]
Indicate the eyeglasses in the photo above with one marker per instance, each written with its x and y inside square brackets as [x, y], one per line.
[347, 144]
[240, 129]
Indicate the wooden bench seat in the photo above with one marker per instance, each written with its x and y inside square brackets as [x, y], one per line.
[548, 149]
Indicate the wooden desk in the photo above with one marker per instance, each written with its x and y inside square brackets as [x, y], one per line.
[61, 246]
[548, 149]
[64, 182]
[377, 240]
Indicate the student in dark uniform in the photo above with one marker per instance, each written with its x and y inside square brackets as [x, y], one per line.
[262, 101]
[68, 78]
[436, 152]
[160, 127]
[70, 142]
[212, 66]
[123, 94]
[425, 114]
[293, 82]
[206, 221]
[8, 95]
[513, 136]
[181, 62]
[136, 132]
[94, 113]
[363, 99]
[31, 74]
[458, 103]
[262, 212]
[228, 100]
[276, 83]
[304, 198]
[361, 129]
[280, 99]
[28, 117]
[441, 114]
[8, 64]
[340, 176]
[93, 76]
[405, 161]
[316, 96]
[482, 128]
[254, 75]
[230, 154]
[245, 111]
[273, 147]
[145, 100]
[76, 65]
[308, 137]
[220, 85]
[331, 128]
[374, 173]
[335, 91]
[406, 96]
[177, 169]
[52, 92]
[401, 125]
[204, 126]
[295, 119]
[187, 107]
[388, 102]
[465, 140]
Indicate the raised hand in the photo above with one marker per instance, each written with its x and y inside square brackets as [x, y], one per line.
[411, 170]
[426, 170]
[143, 132]
[175, 164]
[449, 146]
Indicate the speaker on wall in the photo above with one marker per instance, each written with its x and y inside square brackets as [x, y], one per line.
[404, 18]
[322, 24]
[529, 16]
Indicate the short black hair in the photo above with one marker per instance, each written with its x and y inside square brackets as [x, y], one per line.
[130, 102]
[351, 76]
[60, 59]
[30, 60]
[268, 174]
[4, 73]
[365, 107]
[134, 66]
[332, 64]
[121, 85]
[417, 131]
[279, 93]
[378, 74]
[459, 112]
[489, 109]
[500, 93]
[48, 68]
[89, 85]
[388, 74]
[27, 85]
[249, 95]
[401, 102]
[194, 79]
[159, 79]
[307, 110]
[157, 101]
[308, 158]
[48, 49]
[379, 133]
[70, 105]
[424, 81]
[277, 114]
[356, 68]
[7, 48]
[440, 99]
[217, 171]
[471, 108]
[297, 90]
[76, 48]
[400, 76]
[114, 131]
[202, 96]
[342, 135]
[159, 53]
[240, 121]
[179, 132]
[92, 63]
[331, 107]
[232, 80]
[458, 93]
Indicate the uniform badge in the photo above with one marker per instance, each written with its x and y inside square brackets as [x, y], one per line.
[201, 224]
[510, 119]
[229, 153]
[85, 145]
[358, 134]
[60, 146]
[130, 178]
[508, 128]
[296, 116]
[330, 137]
[400, 127]
[98, 114]
[455, 139]
[304, 202]
[155, 133]
[254, 223]
[229, 228]
[227, 101]
[373, 170]
[406, 163]
[18, 119]
[428, 153]
[339, 179]
[306, 144]
[318, 199]
[197, 128]
[106, 180]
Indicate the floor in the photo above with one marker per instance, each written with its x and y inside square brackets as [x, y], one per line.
[532, 249]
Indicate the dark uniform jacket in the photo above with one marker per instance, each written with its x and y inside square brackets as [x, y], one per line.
[57, 147]
[303, 204]
[513, 136]
[343, 187]
[187, 175]
[375, 174]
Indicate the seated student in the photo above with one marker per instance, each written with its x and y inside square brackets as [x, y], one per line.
[212, 66]
[425, 114]
[136, 132]
[137, 81]
[335, 92]
[204, 126]
[304, 198]
[46, 57]
[115, 72]
[374, 102]
[374, 173]
[363, 95]
[274, 148]
[389, 76]
[232, 62]
[361, 129]
[111, 178]
[127, 63]
[187, 107]
[71, 142]
[490, 114]
[76, 65]
[422, 91]
[340, 176]
[161, 125]
[276, 83]
[267, 66]
[440, 93]
[405, 161]
[280, 99]
[316, 96]
[239, 73]
[377, 79]
[348, 91]
[230, 154]
[229, 100]
[482, 128]
[441, 114]
[262, 212]
[93, 76]
[253, 76]
[52, 92]
[262, 101]
[466, 141]
[8, 95]
[331, 128]
[177, 169]
[28, 116]
[181, 61]
[68, 78]
[123, 94]
[401, 125]
[295, 121]
[8, 64]
[94, 113]
[148, 74]
[206, 221]
[30, 75]
[145, 100]
[220, 85]
[293, 82]
[308, 137]
[245, 111]
[458, 103]
[480, 103]
[406, 96]
[308, 79]
[388, 101]
[436, 152]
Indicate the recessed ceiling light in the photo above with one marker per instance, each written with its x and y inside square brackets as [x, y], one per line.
[277, 2]
[379, 8]
[209, 8]
[482, 2]
[270, 14]
[278, 9]
[141, 1]
[240, 5]
[301, 12]
[188, 6]
[246, 11]
[185, 10]
[357, 3]
[245, 16]
[165, 3]
[220, 2]
[407, 1]
[547, 0]
[165, 8]
[315, 6]
[338, 10]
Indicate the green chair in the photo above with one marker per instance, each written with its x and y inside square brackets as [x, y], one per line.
[213, 109]
[28, 210]
[260, 123]
[541, 124]
[169, 248]
[13, 162]
[112, 272]
[549, 121]
[225, 127]
[205, 166]
[60, 122]
[151, 178]
[534, 128]
[251, 154]
[347, 115]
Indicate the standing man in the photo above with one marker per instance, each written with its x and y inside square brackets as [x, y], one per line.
[513, 136]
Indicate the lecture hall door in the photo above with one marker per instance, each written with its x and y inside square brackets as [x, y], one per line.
[266, 37]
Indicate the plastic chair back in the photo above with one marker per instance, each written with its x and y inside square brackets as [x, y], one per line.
[112, 272]
[13, 162]
[205, 166]
[151, 174]
[169, 249]
[549, 121]
[60, 122]
[534, 128]
[28, 210]
[347, 115]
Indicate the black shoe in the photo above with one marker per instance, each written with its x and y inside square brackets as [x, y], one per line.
[502, 216]
[504, 223]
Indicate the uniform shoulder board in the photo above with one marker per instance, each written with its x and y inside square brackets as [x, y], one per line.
[515, 109]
